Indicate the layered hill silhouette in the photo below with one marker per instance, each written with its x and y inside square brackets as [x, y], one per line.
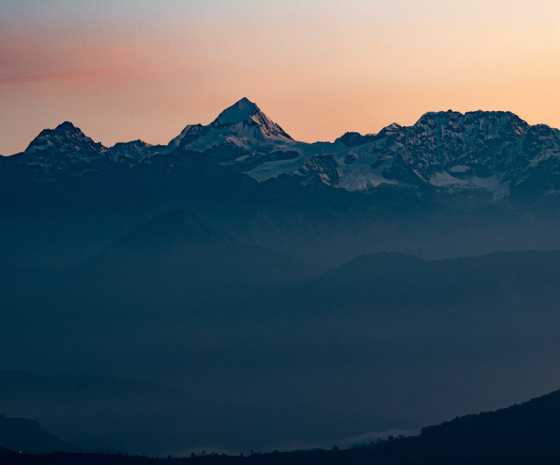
[521, 434]
[385, 341]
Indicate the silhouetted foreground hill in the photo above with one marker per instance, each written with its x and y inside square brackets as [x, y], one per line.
[526, 433]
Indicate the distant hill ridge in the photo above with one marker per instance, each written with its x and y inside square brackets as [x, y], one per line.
[177, 244]
[21, 434]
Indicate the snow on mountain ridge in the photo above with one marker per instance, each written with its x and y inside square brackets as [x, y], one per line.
[136, 151]
[484, 151]
[67, 145]
[56, 149]
[190, 133]
[450, 151]
[66, 136]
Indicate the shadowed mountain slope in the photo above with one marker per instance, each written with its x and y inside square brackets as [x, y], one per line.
[173, 266]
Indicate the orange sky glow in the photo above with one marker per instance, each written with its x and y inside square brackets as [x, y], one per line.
[318, 68]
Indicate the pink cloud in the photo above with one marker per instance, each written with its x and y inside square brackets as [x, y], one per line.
[40, 57]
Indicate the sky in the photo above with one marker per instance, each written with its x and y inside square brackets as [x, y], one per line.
[141, 69]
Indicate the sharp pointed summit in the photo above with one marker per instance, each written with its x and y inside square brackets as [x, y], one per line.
[248, 121]
[242, 126]
[238, 112]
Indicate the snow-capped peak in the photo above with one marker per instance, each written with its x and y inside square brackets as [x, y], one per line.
[245, 112]
[238, 112]
[65, 136]
[243, 125]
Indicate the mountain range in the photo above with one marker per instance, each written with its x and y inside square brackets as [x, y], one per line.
[450, 185]
[299, 293]
[484, 153]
